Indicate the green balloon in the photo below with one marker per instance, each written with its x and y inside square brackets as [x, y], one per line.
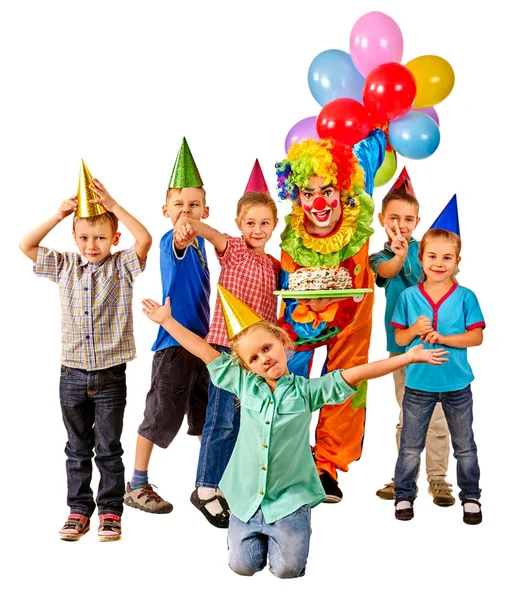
[387, 169]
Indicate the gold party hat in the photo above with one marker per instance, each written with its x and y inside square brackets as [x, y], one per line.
[85, 194]
[185, 173]
[238, 316]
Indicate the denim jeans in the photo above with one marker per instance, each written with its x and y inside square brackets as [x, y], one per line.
[219, 434]
[284, 543]
[92, 404]
[418, 406]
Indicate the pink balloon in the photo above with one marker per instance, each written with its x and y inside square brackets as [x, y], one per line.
[375, 39]
[431, 112]
[303, 130]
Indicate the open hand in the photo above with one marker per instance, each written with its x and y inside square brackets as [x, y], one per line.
[104, 197]
[155, 311]
[417, 354]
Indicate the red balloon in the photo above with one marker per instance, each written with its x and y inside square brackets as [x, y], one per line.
[389, 91]
[344, 120]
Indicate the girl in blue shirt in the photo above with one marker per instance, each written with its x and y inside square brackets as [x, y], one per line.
[438, 312]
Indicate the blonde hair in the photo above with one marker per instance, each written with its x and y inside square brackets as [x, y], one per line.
[255, 199]
[102, 219]
[274, 330]
[445, 236]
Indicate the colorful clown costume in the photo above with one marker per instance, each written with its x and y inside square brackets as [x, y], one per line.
[344, 325]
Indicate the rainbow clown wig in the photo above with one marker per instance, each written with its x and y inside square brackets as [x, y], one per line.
[324, 158]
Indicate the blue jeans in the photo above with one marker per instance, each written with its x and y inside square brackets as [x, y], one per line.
[418, 406]
[92, 404]
[284, 543]
[219, 434]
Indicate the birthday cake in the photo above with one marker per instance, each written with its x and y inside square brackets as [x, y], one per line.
[320, 278]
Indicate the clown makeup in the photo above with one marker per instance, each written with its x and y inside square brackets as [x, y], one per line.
[321, 205]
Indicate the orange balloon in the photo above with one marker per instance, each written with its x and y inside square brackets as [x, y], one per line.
[434, 77]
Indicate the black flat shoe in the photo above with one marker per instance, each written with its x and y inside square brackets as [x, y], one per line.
[404, 514]
[220, 520]
[472, 518]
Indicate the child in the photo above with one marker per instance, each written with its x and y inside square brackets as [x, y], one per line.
[252, 276]
[97, 340]
[271, 482]
[179, 381]
[438, 311]
[396, 268]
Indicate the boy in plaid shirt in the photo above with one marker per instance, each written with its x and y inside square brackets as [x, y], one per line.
[96, 293]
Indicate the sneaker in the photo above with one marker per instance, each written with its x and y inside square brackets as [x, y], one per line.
[403, 514]
[74, 528]
[146, 499]
[387, 491]
[472, 518]
[332, 491]
[441, 492]
[109, 528]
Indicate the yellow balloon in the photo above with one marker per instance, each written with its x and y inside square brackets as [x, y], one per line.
[434, 77]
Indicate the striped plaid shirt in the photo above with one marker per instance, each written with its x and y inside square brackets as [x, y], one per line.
[96, 304]
[252, 278]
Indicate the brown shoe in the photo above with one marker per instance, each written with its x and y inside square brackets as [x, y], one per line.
[472, 518]
[109, 528]
[441, 492]
[146, 499]
[403, 514]
[387, 491]
[74, 528]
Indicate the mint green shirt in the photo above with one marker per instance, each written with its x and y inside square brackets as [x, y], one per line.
[272, 465]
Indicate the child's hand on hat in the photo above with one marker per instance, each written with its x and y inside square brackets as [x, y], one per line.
[104, 197]
[67, 207]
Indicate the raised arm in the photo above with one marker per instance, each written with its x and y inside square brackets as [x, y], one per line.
[143, 239]
[29, 244]
[390, 268]
[186, 229]
[378, 368]
[186, 338]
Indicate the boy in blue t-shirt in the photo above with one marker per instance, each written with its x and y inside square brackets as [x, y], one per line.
[396, 268]
[179, 380]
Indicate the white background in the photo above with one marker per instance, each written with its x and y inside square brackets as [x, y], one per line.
[119, 84]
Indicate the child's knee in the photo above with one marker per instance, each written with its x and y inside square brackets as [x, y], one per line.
[245, 565]
[288, 569]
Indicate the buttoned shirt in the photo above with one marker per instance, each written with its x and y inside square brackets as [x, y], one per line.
[252, 277]
[272, 464]
[456, 312]
[96, 306]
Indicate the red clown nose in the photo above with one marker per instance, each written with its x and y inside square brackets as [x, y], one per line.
[319, 203]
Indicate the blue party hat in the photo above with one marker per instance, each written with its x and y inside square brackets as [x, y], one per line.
[448, 218]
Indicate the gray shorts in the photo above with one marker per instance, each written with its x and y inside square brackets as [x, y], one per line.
[179, 387]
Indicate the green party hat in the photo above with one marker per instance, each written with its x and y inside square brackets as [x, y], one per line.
[185, 173]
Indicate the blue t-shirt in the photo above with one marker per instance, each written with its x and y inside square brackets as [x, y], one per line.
[186, 281]
[457, 312]
[409, 275]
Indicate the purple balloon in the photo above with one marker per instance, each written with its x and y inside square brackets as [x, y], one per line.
[303, 130]
[431, 112]
[375, 39]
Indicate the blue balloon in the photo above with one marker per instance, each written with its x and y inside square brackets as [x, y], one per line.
[332, 75]
[416, 135]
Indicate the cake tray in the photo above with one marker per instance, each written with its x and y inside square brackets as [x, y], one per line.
[322, 293]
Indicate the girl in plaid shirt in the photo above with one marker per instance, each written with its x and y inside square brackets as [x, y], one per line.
[252, 276]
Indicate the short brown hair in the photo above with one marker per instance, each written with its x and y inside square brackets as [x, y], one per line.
[255, 199]
[274, 330]
[107, 217]
[170, 190]
[401, 195]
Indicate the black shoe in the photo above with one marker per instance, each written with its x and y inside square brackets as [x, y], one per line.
[472, 518]
[332, 491]
[403, 514]
[220, 520]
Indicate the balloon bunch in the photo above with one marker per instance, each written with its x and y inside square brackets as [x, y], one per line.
[370, 87]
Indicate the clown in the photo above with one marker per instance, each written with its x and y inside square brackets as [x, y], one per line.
[330, 186]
